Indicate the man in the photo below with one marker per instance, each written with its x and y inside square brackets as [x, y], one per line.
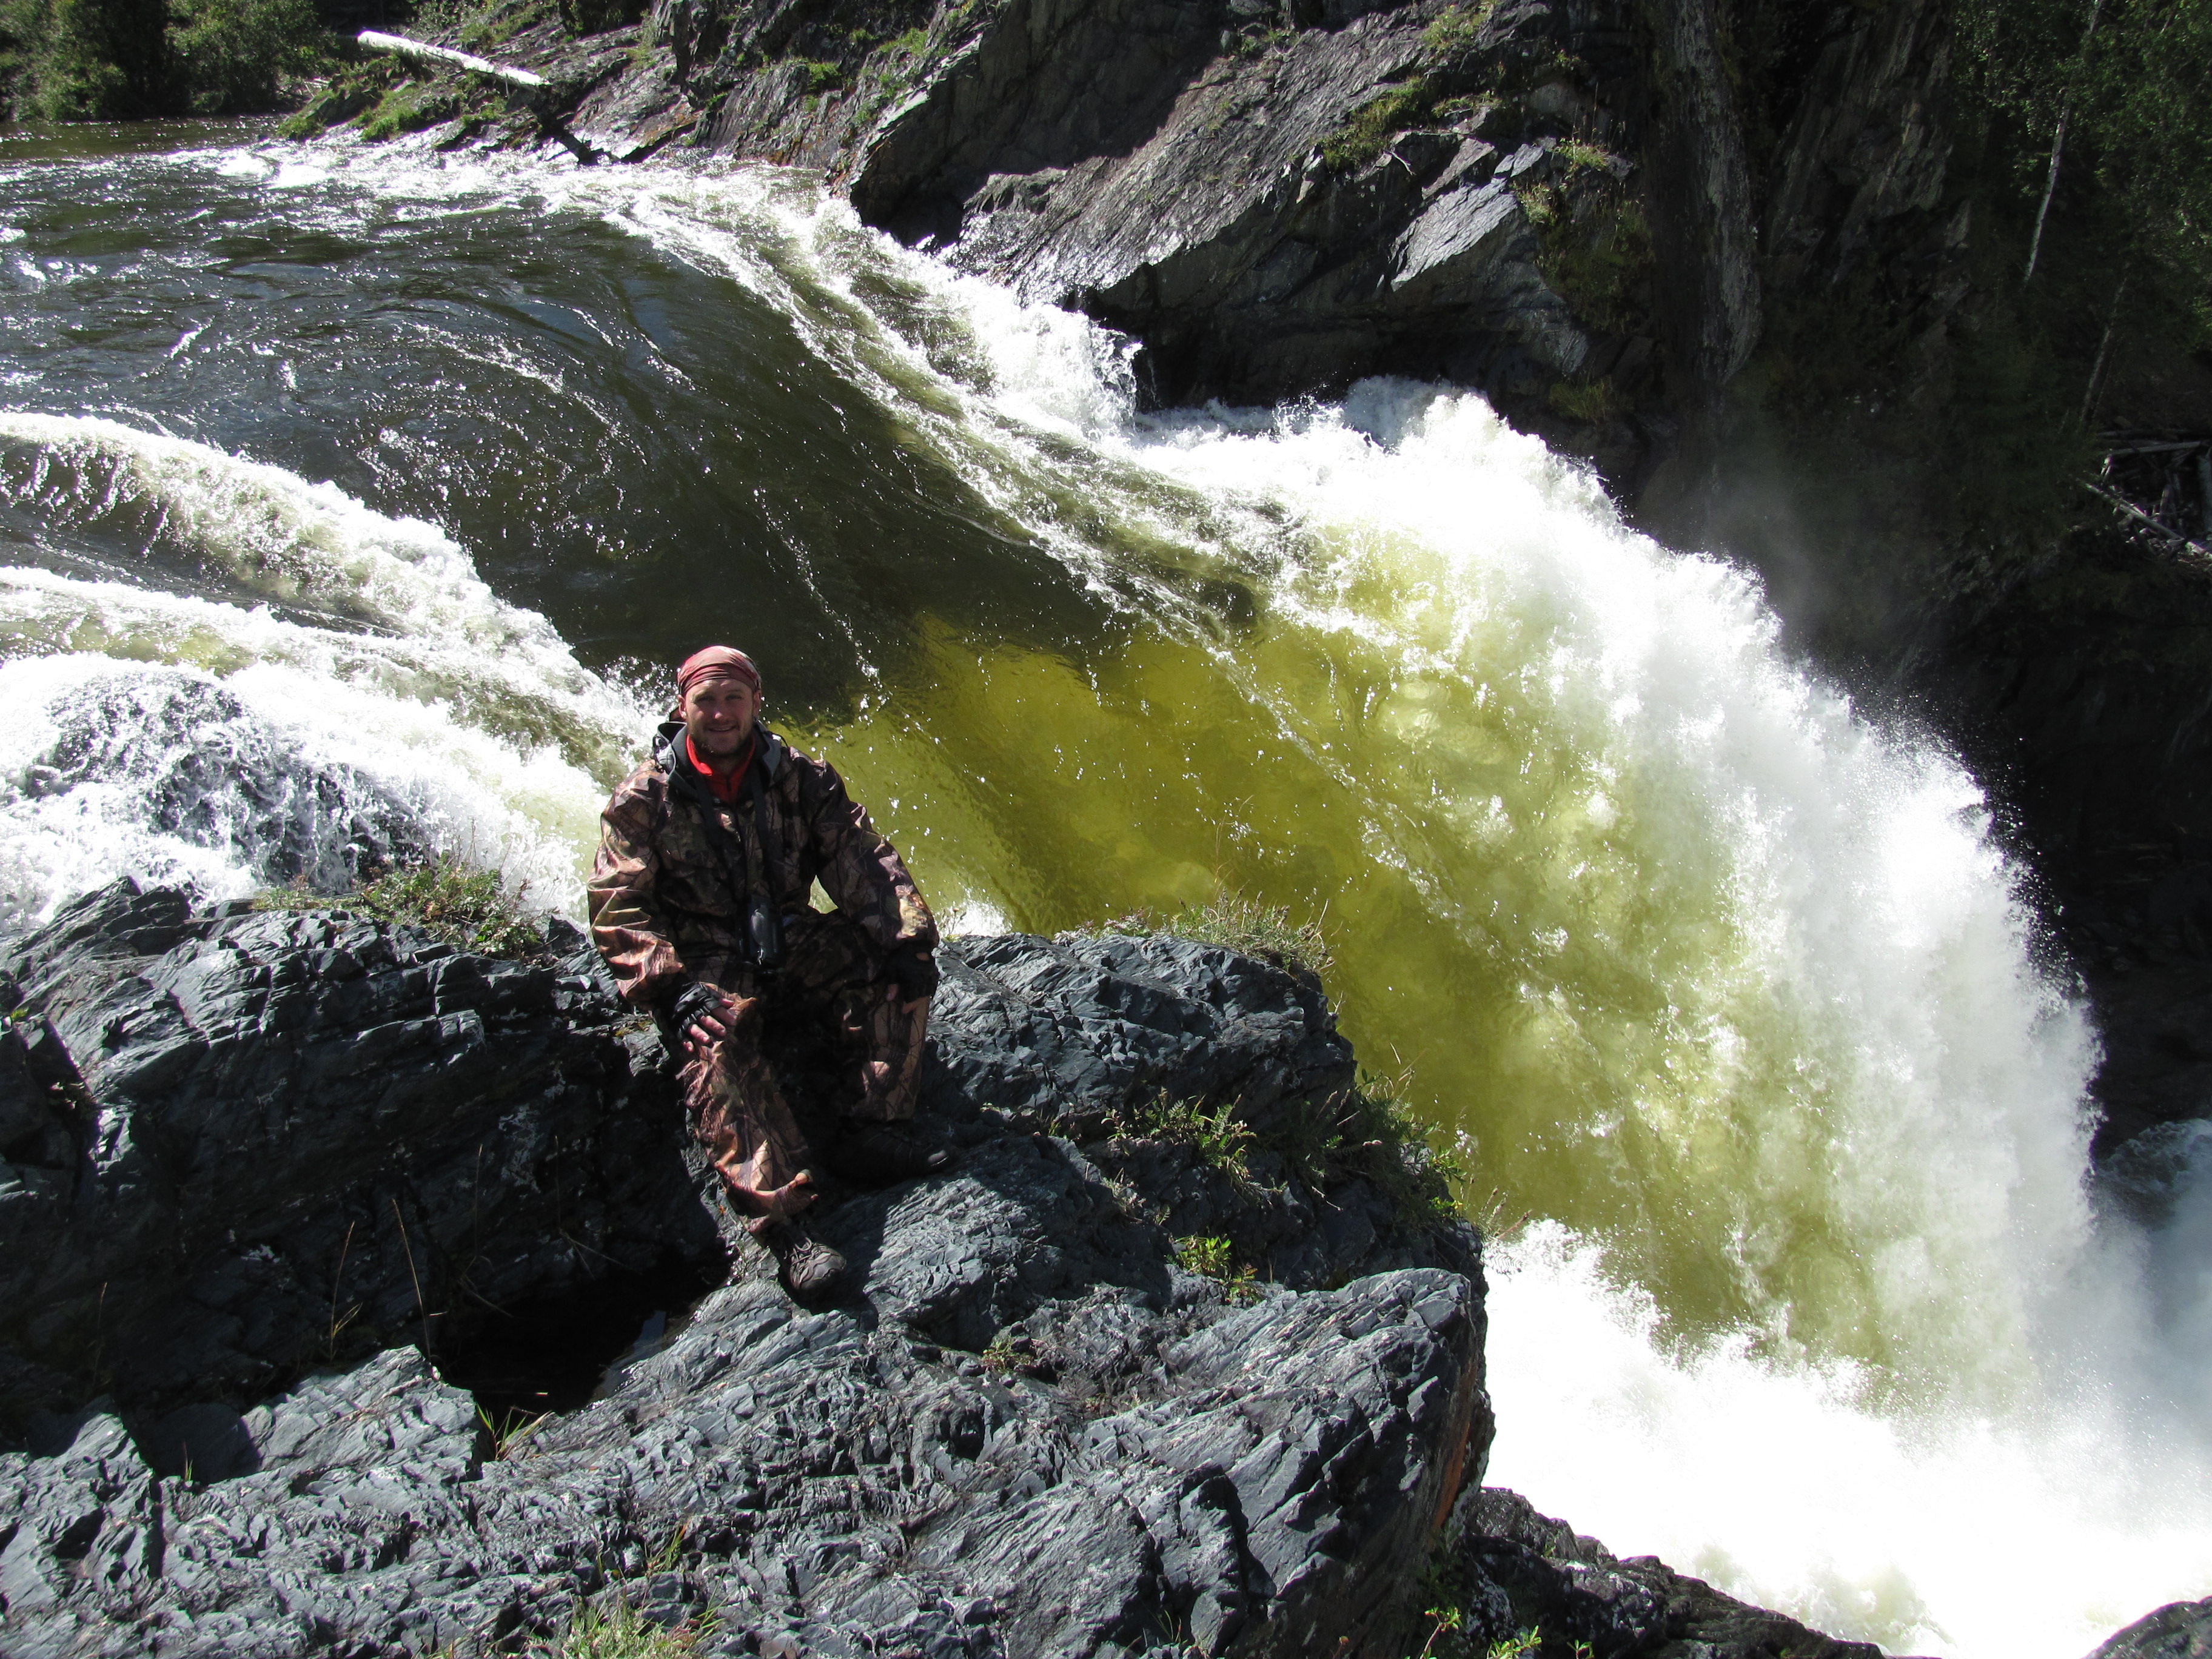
[708, 854]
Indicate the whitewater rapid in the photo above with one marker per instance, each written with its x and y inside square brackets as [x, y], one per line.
[1729, 985]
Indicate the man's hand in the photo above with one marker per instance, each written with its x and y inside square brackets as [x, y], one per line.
[765, 1209]
[702, 1016]
[913, 969]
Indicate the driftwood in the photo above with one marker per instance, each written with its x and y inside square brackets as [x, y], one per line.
[469, 61]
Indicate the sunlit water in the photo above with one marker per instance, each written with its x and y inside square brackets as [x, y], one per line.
[351, 503]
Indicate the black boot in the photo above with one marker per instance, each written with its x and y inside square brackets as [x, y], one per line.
[809, 1268]
[877, 1154]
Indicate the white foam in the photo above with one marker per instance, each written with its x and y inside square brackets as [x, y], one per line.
[462, 724]
[1944, 1531]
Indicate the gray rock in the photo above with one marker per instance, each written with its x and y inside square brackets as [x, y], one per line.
[1512, 1569]
[241, 1144]
[292, 1138]
[1029, 1430]
[2179, 1630]
[819, 1480]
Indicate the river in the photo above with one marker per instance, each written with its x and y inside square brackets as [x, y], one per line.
[353, 500]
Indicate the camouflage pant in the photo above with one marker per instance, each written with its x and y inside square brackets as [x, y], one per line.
[830, 1016]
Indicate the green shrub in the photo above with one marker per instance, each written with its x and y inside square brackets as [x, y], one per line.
[1216, 1259]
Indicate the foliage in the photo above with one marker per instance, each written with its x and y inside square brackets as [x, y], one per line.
[583, 17]
[235, 56]
[1594, 402]
[468, 909]
[409, 107]
[1456, 30]
[1216, 1259]
[1001, 1355]
[2124, 83]
[2117, 94]
[511, 1430]
[84, 60]
[1580, 156]
[819, 76]
[1367, 131]
[1594, 246]
[1219, 1137]
[1384, 1142]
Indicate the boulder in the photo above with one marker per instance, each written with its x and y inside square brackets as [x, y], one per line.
[821, 1482]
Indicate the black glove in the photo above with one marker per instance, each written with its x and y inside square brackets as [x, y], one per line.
[913, 970]
[694, 1001]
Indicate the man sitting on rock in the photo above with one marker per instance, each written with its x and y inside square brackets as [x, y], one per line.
[708, 854]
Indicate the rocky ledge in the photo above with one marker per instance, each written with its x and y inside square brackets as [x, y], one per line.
[359, 1295]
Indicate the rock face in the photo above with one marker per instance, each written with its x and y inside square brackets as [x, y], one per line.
[256, 1142]
[1585, 209]
[1032, 1429]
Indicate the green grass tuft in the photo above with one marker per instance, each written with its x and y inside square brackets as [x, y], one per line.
[1456, 30]
[1220, 1140]
[611, 1629]
[1245, 926]
[1593, 402]
[470, 909]
[1367, 131]
[1384, 1142]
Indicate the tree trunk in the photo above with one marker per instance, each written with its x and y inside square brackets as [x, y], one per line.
[2057, 150]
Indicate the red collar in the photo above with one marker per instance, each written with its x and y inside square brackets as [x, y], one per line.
[725, 789]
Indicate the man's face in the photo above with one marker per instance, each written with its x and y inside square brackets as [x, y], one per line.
[718, 714]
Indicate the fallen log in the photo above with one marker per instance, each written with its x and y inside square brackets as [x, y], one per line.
[2133, 512]
[406, 48]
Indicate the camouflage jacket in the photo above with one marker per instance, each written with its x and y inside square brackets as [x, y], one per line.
[667, 908]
